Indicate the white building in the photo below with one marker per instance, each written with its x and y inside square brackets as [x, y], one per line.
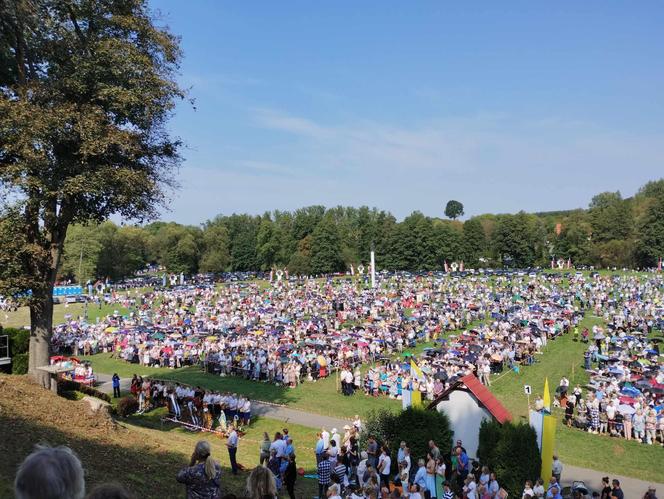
[467, 403]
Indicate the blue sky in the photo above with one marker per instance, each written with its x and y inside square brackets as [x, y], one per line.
[404, 105]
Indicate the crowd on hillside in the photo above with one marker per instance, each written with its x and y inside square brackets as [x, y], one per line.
[625, 395]
[289, 333]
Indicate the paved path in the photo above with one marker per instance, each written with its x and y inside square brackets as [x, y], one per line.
[632, 487]
[266, 409]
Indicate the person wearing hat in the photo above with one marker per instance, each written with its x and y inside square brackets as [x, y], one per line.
[335, 436]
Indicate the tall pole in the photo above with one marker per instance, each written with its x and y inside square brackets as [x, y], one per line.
[80, 265]
[373, 267]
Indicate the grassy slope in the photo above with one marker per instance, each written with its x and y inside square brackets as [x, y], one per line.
[21, 318]
[611, 455]
[139, 452]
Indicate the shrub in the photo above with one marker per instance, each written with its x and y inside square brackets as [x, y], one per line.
[413, 426]
[127, 406]
[490, 432]
[20, 363]
[512, 452]
[73, 386]
[19, 339]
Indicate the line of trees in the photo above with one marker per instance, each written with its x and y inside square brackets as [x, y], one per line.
[314, 240]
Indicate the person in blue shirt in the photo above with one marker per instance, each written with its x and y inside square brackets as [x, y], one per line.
[320, 448]
[290, 449]
[421, 475]
[116, 385]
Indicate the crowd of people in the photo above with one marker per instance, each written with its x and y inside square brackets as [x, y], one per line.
[625, 395]
[292, 332]
[196, 407]
[343, 471]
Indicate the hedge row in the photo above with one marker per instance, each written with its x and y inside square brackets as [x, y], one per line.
[70, 386]
[511, 451]
[19, 339]
[20, 363]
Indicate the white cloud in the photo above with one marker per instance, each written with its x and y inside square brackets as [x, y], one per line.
[490, 162]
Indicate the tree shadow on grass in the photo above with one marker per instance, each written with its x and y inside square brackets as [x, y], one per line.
[143, 467]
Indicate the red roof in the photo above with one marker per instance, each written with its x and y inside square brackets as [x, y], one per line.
[484, 397]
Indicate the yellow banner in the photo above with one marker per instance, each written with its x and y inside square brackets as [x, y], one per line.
[548, 440]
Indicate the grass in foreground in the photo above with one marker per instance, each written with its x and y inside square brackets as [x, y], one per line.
[138, 452]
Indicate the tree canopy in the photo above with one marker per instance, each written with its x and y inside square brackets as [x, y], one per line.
[86, 89]
[453, 209]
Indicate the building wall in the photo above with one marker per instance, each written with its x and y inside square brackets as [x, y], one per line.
[466, 416]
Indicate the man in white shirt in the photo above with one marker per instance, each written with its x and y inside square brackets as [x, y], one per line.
[278, 445]
[326, 437]
[336, 437]
[231, 443]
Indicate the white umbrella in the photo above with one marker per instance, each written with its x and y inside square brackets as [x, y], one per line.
[626, 409]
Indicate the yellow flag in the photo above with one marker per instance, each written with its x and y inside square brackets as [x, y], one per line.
[547, 396]
[416, 371]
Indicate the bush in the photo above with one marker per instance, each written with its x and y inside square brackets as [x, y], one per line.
[20, 363]
[490, 432]
[413, 426]
[19, 340]
[127, 406]
[512, 452]
[73, 386]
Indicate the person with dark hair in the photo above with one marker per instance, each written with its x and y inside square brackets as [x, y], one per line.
[116, 385]
[606, 488]
[290, 476]
[109, 491]
[324, 474]
[616, 491]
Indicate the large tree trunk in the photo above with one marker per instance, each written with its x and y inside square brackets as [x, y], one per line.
[41, 327]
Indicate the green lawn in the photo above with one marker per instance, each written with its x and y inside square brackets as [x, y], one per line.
[182, 441]
[564, 357]
[21, 318]
[320, 397]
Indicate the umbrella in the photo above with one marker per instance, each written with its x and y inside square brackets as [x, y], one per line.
[626, 409]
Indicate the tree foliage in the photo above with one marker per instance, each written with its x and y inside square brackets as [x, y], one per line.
[453, 209]
[314, 240]
[86, 89]
[413, 426]
[511, 451]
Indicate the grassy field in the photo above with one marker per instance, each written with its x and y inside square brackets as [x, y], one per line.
[21, 318]
[564, 357]
[320, 397]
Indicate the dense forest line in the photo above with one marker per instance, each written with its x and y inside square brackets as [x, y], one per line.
[612, 231]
